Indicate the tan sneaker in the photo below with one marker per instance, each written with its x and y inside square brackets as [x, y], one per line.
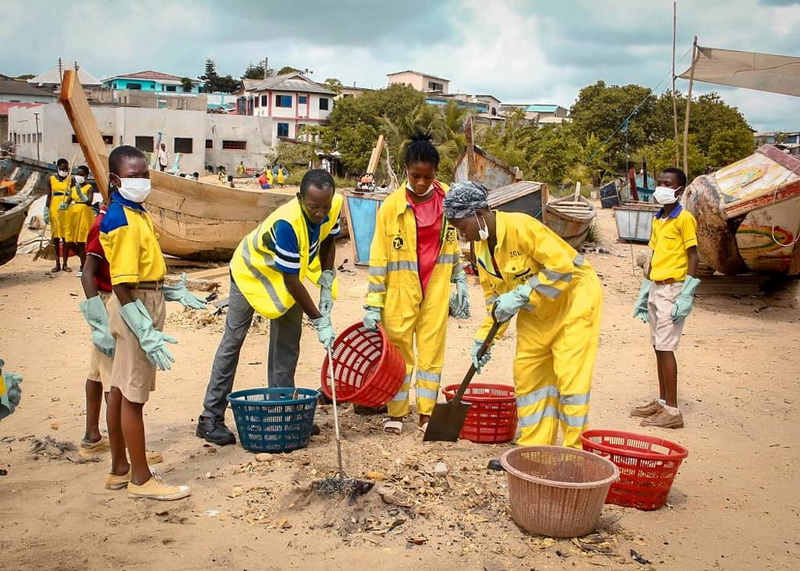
[156, 489]
[114, 482]
[646, 410]
[664, 419]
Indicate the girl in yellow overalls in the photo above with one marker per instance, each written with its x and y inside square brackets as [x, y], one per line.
[54, 213]
[79, 215]
[523, 265]
[414, 258]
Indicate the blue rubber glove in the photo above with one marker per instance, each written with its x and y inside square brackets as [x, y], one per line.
[372, 317]
[10, 392]
[180, 293]
[46, 215]
[64, 205]
[326, 292]
[95, 314]
[640, 310]
[153, 342]
[476, 347]
[683, 305]
[324, 329]
[459, 301]
[508, 304]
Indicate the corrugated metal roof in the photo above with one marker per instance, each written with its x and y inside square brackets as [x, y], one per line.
[52, 77]
[294, 82]
[149, 75]
[12, 87]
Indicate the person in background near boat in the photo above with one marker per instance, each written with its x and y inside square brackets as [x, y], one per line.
[296, 241]
[196, 175]
[523, 265]
[281, 180]
[135, 318]
[667, 294]
[240, 170]
[413, 259]
[54, 214]
[264, 181]
[230, 181]
[163, 158]
[79, 216]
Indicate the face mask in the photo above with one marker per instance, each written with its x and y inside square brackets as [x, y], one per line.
[483, 233]
[80, 179]
[665, 195]
[135, 189]
[411, 189]
[62, 174]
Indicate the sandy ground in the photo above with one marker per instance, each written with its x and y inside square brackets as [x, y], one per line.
[734, 504]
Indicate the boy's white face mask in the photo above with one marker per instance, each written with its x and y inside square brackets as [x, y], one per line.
[665, 195]
[63, 173]
[135, 189]
[80, 179]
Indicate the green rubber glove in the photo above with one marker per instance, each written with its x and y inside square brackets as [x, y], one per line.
[153, 342]
[95, 314]
[46, 215]
[180, 293]
[372, 317]
[683, 305]
[324, 329]
[640, 310]
[10, 392]
[485, 358]
[508, 304]
[459, 301]
[326, 292]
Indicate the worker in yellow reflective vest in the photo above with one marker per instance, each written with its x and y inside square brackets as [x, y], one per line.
[414, 257]
[295, 242]
[523, 265]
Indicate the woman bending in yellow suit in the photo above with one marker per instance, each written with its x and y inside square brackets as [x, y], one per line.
[523, 265]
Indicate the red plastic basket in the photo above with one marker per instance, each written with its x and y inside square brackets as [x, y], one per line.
[368, 370]
[492, 415]
[647, 466]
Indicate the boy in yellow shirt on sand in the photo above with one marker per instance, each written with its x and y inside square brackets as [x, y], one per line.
[667, 294]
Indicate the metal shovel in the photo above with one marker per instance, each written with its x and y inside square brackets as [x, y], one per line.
[448, 418]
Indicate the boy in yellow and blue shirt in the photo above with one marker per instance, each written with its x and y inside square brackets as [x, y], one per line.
[667, 294]
[135, 317]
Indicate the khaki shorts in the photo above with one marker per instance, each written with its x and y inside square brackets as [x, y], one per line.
[132, 373]
[100, 365]
[664, 333]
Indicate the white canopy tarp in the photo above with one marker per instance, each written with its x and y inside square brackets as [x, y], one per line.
[751, 70]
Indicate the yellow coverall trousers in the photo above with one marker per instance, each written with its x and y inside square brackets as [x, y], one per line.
[425, 326]
[556, 350]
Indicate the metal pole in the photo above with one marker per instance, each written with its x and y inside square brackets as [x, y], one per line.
[688, 108]
[38, 156]
[674, 97]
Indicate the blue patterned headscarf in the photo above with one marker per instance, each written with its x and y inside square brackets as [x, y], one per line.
[465, 198]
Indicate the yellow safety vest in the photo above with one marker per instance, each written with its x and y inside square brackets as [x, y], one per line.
[252, 265]
[393, 253]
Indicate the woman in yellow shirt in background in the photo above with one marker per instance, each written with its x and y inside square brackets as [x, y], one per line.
[78, 217]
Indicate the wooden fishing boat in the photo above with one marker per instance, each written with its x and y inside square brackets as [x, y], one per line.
[194, 220]
[523, 196]
[570, 217]
[477, 165]
[13, 210]
[748, 214]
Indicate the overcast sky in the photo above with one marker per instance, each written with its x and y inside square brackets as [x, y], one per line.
[537, 51]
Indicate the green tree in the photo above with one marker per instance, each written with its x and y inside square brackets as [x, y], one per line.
[662, 155]
[333, 84]
[511, 140]
[210, 76]
[187, 84]
[257, 71]
[730, 145]
[287, 69]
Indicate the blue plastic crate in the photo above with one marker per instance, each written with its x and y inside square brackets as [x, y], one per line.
[274, 420]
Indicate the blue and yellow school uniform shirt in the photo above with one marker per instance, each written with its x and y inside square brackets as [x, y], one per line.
[130, 243]
[282, 239]
[670, 238]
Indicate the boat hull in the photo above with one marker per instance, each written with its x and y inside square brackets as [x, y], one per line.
[13, 211]
[570, 219]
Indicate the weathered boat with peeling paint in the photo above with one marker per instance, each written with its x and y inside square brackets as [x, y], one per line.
[748, 214]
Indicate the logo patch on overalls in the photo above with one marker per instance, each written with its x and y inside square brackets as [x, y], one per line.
[398, 243]
[450, 236]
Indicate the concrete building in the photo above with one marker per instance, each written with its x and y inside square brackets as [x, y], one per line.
[234, 138]
[420, 81]
[19, 94]
[347, 92]
[539, 113]
[150, 80]
[291, 100]
[184, 132]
